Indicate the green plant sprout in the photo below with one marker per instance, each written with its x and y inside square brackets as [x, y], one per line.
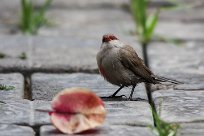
[2, 55]
[163, 128]
[6, 88]
[145, 24]
[23, 56]
[32, 19]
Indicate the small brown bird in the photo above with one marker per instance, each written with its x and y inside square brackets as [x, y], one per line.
[120, 65]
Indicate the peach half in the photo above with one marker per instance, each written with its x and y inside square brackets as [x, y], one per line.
[76, 110]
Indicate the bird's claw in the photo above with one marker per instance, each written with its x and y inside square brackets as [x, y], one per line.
[112, 97]
[136, 99]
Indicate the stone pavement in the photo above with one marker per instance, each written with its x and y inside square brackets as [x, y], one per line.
[63, 56]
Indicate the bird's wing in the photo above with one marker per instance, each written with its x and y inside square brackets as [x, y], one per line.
[131, 61]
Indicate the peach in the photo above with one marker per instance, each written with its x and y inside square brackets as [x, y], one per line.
[76, 110]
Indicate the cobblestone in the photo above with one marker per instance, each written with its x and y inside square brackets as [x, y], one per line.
[119, 130]
[15, 80]
[45, 86]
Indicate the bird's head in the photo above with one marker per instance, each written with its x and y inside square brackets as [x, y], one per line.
[111, 41]
[108, 37]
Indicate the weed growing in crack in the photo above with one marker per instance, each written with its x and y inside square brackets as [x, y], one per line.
[161, 127]
[6, 88]
[2, 55]
[32, 19]
[23, 56]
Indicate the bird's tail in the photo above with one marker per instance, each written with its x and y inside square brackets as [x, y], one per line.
[164, 79]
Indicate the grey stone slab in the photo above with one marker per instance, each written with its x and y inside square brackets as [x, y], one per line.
[180, 30]
[188, 11]
[183, 63]
[84, 4]
[16, 111]
[191, 129]
[180, 105]
[9, 16]
[107, 130]
[41, 109]
[129, 113]
[45, 86]
[90, 23]
[13, 47]
[65, 54]
[186, 57]
[14, 79]
[15, 130]
[134, 113]
[190, 81]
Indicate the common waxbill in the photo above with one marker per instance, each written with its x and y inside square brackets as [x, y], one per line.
[120, 65]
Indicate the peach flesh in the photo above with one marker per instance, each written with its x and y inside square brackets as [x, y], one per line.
[76, 110]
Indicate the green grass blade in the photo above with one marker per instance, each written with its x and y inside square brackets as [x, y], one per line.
[151, 25]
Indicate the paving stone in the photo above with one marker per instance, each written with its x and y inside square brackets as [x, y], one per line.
[189, 11]
[129, 113]
[180, 30]
[85, 3]
[180, 105]
[168, 57]
[41, 109]
[16, 111]
[113, 130]
[45, 86]
[90, 23]
[11, 130]
[183, 63]
[191, 129]
[135, 113]
[16, 80]
[13, 47]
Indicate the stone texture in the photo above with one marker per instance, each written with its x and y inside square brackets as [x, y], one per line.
[14, 79]
[183, 63]
[166, 57]
[13, 47]
[113, 130]
[15, 130]
[180, 30]
[129, 113]
[9, 16]
[86, 4]
[187, 11]
[89, 23]
[179, 105]
[45, 86]
[134, 113]
[41, 109]
[191, 129]
[16, 111]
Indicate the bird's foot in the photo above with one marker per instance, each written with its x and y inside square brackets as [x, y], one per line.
[113, 97]
[136, 99]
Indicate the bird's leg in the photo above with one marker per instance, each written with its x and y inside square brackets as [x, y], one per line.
[131, 94]
[114, 94]
[133, 88]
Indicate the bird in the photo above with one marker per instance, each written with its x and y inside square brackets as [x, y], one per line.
[120, 65]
